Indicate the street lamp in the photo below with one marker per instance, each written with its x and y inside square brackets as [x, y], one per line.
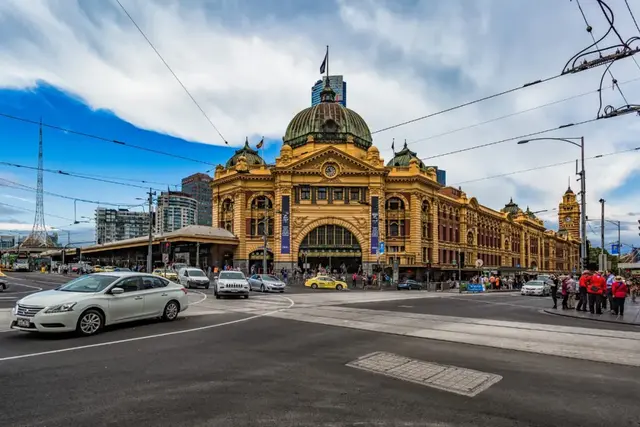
[583, 191]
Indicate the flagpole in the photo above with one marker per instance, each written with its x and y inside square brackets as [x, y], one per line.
[327, 63]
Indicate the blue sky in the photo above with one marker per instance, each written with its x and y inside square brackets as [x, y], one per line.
[250, 64]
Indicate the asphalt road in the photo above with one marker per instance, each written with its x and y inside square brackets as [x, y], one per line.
[270, 371]
[505, 306]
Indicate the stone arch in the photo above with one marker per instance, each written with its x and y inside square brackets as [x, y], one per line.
[399, 196]
[362, 239]
[259, 194]
[534, 264]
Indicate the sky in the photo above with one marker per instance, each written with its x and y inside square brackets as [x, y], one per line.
[83, 65]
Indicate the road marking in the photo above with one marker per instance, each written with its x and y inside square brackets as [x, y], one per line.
[405, 306]
[165, 334]
[36, 288]
[204, 297]
[453, 379]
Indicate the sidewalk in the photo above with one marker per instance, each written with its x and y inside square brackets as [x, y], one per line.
[631, 314]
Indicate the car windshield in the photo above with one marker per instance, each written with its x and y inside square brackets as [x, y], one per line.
[196, 273]
[89, 284]
[270, 278]
[231, 275]
[536, 283]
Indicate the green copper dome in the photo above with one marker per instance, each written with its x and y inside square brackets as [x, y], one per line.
[403, 157]
[252, 156]
[530, 213]
[511, 208]
[328, 121]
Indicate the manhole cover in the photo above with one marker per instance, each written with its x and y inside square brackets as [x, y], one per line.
[466, 382]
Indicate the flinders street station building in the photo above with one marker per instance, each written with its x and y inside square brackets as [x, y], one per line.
[331, 200]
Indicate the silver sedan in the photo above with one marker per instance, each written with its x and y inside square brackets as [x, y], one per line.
[266, 283]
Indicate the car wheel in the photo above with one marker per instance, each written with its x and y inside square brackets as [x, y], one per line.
[171, 311]
[338, 287]
[89, 323]
[246, 296]
[262, 288]
[314, 286]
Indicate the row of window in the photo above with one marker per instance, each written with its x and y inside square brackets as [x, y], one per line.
[330, 194]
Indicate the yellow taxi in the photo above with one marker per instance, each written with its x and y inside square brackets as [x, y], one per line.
[3, 281]
[169, 274]
[325, 282]
[108, 269]
[98, 269]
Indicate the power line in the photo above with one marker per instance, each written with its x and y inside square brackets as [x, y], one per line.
[632, 16]
[71, 174]
[171, 71]
[519, 137]
[33, 210]
[17, 185]
[101, 138]
[506, 116]
[613, 153]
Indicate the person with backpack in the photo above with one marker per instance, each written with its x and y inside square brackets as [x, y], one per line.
[619, 292]
[583, 284]
[595, 290]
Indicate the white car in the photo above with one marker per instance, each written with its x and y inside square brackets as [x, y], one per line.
[192, 277]
[266, 283]
[89, 303]
[536, 287]
[231, 283]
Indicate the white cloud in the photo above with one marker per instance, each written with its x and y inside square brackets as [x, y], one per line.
[252, 74]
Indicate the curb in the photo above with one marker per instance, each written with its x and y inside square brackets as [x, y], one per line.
[595, 319]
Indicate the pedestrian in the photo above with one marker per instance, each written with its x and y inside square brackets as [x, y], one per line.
[619, 289]
[584, 282]
[595, 290]
[554, 290]
[571, 288]
[607, 296]
[565, 292]
[354, 280]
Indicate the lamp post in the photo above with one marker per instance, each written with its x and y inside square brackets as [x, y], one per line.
[583, 192]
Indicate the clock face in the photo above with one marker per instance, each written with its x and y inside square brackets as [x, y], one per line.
[330, 171]
[567, 219]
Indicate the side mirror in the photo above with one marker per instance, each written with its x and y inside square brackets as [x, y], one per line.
[117, 291]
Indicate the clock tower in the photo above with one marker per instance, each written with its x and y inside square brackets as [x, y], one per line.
[569, 215]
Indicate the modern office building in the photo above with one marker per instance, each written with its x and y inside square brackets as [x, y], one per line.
[113, 225]
[198, 186]
[175, 211]
[7, 241]
[338, 85]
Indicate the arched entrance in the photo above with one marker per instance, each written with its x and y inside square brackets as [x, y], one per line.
[331, 247]
[256, 259]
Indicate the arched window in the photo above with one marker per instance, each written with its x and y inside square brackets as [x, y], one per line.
[225, 217]
[261, 217]
[395, 212]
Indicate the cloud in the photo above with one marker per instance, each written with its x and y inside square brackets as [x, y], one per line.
[251, 68]
[8, 210]
[22, 199]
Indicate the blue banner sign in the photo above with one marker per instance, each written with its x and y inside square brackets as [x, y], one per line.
[285, 231]
[375, 219]
[615, 249]
[475, 287]
[381, 248]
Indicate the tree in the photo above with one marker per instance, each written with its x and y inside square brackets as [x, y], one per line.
[594, 253]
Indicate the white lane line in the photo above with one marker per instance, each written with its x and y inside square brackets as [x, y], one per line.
[204, 297]
[165, 334]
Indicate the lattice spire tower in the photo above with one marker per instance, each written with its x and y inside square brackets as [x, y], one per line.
[39, 237]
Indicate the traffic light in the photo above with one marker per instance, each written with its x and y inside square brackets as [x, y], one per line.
[165, 247]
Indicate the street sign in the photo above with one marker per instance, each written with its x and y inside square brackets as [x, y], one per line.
[165, 258]
[615, 249]
[381, 249]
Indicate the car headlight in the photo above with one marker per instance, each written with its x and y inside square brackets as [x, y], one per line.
[62, 308]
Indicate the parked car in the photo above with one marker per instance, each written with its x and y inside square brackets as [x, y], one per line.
[166, 273]
[87, 304]
[536, 287]
[231, 283]
[191, 277]
[266, 283]
[325, 282]
[409, 285]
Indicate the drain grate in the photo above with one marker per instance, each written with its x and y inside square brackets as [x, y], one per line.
[466, 382]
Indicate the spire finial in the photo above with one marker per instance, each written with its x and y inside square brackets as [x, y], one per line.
[246, 141]
[405, 143]
[510, 199]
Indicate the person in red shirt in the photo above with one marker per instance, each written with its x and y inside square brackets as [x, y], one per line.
[584, 282]
[596, 290]
[619, 292]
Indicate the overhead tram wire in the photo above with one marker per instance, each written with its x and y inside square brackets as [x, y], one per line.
[634, 23]
[18, 186]
[171, 71]
[515, 138]
[33, 210]
[102, 138]
[506, 116]
[537, 168]
[61, 172]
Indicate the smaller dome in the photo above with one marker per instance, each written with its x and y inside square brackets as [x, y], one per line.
[373, 149]
[403, 157]
[251, 155]
[511, 208]
[569, 191]
[530, 213]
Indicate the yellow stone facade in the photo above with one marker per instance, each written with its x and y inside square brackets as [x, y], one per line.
[331, 183]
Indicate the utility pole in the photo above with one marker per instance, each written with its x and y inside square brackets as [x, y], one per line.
[265, 232]
[603, 259]
[150, 247]
[583, 209]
